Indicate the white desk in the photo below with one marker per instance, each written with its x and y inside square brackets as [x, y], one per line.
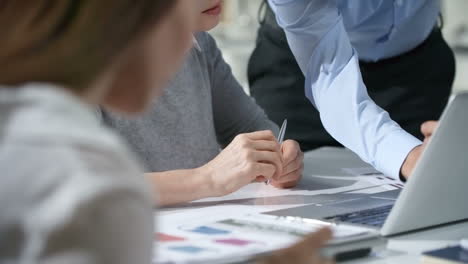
[408, 248]
[324, 168]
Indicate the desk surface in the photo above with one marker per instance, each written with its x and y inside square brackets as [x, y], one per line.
[329, 168]
[400, 249]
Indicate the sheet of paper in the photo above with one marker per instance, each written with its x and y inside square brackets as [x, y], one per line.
[380, 180]
[418, 246]
[215, 234]
[269, 198]
[361, 171]
[194, 237]
[378, 189]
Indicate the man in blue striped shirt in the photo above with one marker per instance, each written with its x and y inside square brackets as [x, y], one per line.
[333, 40]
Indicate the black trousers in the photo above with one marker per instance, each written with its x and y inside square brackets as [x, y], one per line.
[413, 87]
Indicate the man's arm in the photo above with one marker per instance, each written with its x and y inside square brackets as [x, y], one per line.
[334, 84]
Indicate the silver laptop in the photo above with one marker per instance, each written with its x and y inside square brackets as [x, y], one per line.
[436, 193]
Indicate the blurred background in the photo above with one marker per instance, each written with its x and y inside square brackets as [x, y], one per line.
[237, 33]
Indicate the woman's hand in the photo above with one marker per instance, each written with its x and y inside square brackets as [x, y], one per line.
[306, 251]
[293, 165]
[250, 157]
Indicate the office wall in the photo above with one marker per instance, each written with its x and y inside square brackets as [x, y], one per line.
[237, 33]
[456, 33]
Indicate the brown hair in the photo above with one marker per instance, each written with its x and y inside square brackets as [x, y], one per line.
[69, 42]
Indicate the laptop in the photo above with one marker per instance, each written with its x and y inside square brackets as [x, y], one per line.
[436, 193]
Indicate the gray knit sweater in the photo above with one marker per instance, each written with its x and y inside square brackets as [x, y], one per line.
[201, 111]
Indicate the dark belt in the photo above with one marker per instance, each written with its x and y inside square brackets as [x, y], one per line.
[433, 36]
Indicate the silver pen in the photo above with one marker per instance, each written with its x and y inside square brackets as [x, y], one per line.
[280, 138]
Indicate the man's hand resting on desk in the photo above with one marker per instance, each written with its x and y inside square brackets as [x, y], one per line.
[305, 252]
[427, 129]
[293, 165]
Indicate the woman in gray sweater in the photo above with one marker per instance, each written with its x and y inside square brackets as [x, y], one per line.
[205, 137]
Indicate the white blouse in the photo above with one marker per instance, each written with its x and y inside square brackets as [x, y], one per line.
[70, 191]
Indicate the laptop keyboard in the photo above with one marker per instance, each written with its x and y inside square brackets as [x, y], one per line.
[371, 217]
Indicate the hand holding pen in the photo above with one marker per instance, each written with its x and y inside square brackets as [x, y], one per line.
[292, 158]
[280, 138]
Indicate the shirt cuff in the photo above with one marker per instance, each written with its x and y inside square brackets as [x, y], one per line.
[394, 150]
